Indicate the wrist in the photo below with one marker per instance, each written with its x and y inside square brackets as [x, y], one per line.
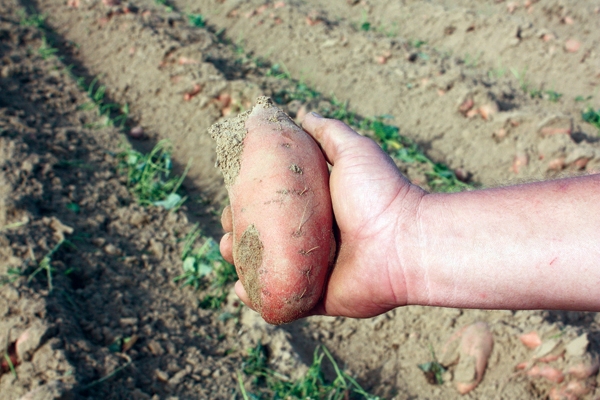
[409, 284]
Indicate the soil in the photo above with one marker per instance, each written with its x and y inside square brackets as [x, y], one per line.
[111, 323]
[229, 136]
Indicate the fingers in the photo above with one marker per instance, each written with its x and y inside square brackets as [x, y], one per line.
[241, 292]
[226, 247]
[227, 219]
[335, 137]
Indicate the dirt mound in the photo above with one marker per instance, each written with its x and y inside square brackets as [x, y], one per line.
[89, 306]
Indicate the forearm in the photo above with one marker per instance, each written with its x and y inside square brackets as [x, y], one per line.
[533, 246]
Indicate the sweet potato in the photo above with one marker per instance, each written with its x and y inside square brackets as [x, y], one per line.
[277, 181]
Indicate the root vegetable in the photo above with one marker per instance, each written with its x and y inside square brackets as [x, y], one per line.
[488, 110]
[571, 391]
[277, 180]
[583, 370]
[466, 105]
[520, 160]
[195, 90]
[572, 45]
[474, 350]
[545, 371]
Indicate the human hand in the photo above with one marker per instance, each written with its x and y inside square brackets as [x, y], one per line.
[375, 209]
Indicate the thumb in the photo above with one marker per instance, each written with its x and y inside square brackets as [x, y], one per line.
[336, 139]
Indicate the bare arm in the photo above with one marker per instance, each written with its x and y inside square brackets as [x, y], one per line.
[531, 246]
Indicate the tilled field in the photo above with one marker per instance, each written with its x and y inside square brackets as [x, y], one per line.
[462, 94]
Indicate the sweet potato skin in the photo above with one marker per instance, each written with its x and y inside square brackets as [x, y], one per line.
[283, 241]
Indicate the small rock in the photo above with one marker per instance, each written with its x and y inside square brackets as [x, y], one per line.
[137, 132]
[520, 160]
[558, 164]
[128, 321]
[581, 163]
[30, 340]
[137, 394]
[488, 110]
[531, 339]
[462, 174]
[157, 248]
[112, 250]
[137, 219]
[500, 134]
[178, 377]
[572, 45]
[58, 227]
[161, 375]
[546, 348]
[99, 242]
[578, 347]
[156, 349]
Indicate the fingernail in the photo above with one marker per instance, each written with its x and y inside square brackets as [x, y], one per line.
[315, 114]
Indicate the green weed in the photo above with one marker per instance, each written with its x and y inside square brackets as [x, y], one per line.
[197, 20]
[150, 178]
[10, 364]
[581, 98]
[496, 73]
[273, 385]
[279, 72]
[440, 178]
[34, 20]
[520, 76]
[205, 268]
[592, 117]
[433, 369]
[113, 113]
[298, 91]
[364, 24]
[46, 263]
[391, 31]
[417, 44]
[553, 96]
[12, 274]
[472, 61]
[168, 7]
[46, 50]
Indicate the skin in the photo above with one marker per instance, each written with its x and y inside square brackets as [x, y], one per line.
[281, 191]
[529, 246]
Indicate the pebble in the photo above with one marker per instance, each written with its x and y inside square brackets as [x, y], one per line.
[30, 340]
[161, 375]
[578, 347]
[178, 377]
[157, 248]
[137, 219]
[137, 132]
[155, 348]
[112, 250]
[572, 45]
